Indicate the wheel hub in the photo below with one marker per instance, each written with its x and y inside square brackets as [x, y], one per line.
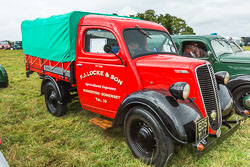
[143, 138]
[52, 97]
[246, 101]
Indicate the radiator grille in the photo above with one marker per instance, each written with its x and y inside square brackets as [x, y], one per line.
[209, 92]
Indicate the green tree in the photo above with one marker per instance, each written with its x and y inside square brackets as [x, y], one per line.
[148, 15]
[173, 24]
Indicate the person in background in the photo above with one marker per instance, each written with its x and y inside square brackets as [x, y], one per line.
[198, 51]
[188, 52]
[134, 48]
[193, 50]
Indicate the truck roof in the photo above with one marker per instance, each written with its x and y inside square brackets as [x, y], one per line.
[204, 37]
[118, 22]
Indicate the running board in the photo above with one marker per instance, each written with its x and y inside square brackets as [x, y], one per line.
[102, 123]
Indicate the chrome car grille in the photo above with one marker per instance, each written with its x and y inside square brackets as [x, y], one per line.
[209, 93]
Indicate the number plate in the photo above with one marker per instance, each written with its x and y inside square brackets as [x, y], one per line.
[201, 129]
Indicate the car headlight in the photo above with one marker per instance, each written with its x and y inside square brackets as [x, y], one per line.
[222, 77]
[180, 90]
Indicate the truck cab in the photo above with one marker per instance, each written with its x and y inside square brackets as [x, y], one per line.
[129, 71]
[124, 72]
[223, 56]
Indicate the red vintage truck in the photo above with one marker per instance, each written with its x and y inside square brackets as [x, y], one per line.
[129, 72]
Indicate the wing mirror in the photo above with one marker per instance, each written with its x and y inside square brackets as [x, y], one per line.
[108, 49]
[209, 53]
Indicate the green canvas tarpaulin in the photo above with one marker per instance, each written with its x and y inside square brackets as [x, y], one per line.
[53, 38]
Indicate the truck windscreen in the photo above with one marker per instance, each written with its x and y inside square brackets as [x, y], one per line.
[154, 42]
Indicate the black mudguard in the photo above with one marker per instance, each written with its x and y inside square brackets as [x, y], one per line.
[226, 101]
[177, 117]
[51, 79]
[62, 88]
[238, 81]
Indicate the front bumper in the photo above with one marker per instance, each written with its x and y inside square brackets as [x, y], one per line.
[212, 140]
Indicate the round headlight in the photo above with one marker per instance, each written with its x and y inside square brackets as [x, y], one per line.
[222, 77]
[186, 91]
[180, 90]
[226, 79]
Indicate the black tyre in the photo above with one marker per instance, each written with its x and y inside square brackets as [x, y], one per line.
[53, 102]
[5, 84]
[146, 137]
[242, 98]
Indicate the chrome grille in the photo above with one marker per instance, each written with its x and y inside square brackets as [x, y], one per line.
[209, 92]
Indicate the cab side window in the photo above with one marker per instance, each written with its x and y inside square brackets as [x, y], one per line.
[194, 49]
[95, 39]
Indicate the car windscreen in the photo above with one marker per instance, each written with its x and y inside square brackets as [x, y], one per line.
[221, 46]
[4, 43]
[235, 47]
[142, 42]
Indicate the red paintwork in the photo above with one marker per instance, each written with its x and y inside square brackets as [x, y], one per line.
[35, 64]
[135, 75]
[160, 69]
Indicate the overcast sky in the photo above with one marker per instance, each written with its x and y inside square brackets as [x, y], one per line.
[226, 17]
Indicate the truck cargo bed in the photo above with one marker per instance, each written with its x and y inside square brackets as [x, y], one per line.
[59, 70]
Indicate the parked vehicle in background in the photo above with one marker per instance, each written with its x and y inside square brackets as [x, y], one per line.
[17, 45]
[4, 45]
[3, 162]
[218, 51]
[128, 71]
[246, 41]
[4, 81]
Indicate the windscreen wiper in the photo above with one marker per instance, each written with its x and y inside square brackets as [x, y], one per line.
[142, 31]
[220, 42]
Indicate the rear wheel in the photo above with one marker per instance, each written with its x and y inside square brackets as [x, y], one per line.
[53, 102]
[242, 98]
[146, 137]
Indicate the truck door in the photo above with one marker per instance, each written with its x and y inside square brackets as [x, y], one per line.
[100, 76]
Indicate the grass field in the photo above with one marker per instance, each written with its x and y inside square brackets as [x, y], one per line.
[247, 48]
[33, 137]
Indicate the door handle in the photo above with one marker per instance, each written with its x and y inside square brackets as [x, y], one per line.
[79, 65]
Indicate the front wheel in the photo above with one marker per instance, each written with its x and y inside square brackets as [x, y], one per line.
[146, 137]
[53, 102]
[242, 98]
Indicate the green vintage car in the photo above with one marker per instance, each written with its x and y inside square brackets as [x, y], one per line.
[218, 51]
[3, 77]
